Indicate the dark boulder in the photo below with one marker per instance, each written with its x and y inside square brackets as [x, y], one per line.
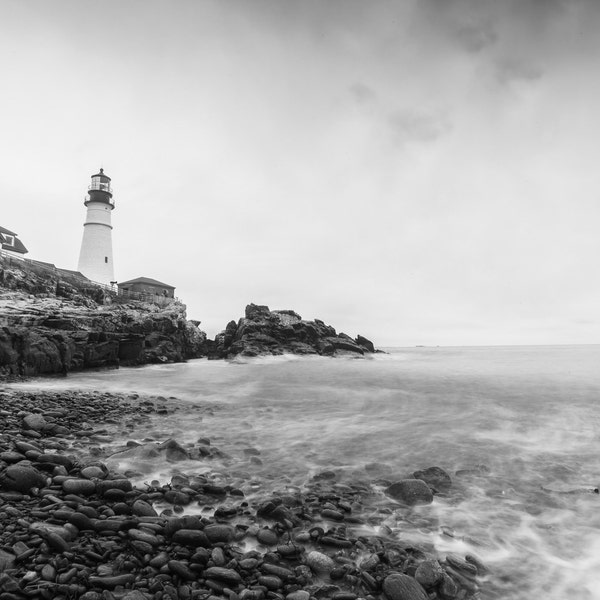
[398, 586]
[435, 477]
[21, 478]
[265, 332]
[411, 492]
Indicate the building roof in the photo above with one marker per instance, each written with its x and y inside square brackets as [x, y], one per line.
[70, 272]
[146, 280]
[17, 246]
[101, 174]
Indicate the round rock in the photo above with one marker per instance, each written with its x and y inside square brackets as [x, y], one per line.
[21, 478]
[319, 563]
[398, 586]
[435, 477]
[79, 487]
[429, 573]
[411, 492]
[267, 537]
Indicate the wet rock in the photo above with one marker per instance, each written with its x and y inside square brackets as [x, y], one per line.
[143, 536]
[271, 582]
[447, 589]
[174, 452]
[93, 472]
[11, 457]
[429, 573]
[113, 484]
[191, 537]
[319, 563]
[110, 582]
[298, 595]
[141, 508]
[398, 586]
[227, 575]
[369, 562]
[218, 533]
[435, 477]
[83, 487]
[410, 491]
[7, 561]
[277, 570]
[267, 537]
[182, 570]
[21, 478]
[35, 422]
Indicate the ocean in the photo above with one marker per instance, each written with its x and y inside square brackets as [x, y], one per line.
[517, 429]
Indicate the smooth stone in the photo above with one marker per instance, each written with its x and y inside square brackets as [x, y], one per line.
[35, 422]
[142, 536]
[271, 582]
[219, 533]
[180, 569]
[369, 562]
[112, 581]
[267, 537]
[176, 497]
[435, 477]
[83, 487]
[111, 484]
[333, 515]
[7, 560]
[21, 478]
[56, 459]
[160, 560]
[48, 572]
[222, 574]
[319, 563]
[276, 570]
[114, 495]
[11, 457]
[135, 595]
[298, 595]
[92, 472]
[141, 508]
[398, 586]
[81, 521]
[191, 537]
[411, 492]
[429, 573]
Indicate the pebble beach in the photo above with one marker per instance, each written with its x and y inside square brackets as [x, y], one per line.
[73, 526]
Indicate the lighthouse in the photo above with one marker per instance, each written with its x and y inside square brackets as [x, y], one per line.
[96, 257]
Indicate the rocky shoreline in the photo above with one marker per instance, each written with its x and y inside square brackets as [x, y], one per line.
[51, 324]
[72, 527]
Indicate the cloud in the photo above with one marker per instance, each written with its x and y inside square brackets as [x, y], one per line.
[513, 70]
[475, 37]
[362, 93]
[417, 125]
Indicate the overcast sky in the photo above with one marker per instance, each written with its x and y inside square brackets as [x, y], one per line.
[420, 172]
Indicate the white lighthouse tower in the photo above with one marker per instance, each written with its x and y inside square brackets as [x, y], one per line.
[96, 257]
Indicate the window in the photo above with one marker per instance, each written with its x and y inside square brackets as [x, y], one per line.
[9, 240]
[106, 259]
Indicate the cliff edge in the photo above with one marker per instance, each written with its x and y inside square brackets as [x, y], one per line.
[51, 324]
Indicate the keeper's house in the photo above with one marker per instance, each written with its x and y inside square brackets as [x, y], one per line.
[11, 243]
[146, 285]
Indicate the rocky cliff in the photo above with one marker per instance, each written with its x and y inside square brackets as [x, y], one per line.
[263, 331]
[55, 324]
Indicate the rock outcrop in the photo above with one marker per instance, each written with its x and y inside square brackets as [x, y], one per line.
[50, 325]
[264, 332]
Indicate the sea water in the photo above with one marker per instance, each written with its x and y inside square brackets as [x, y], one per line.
[517, 428]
